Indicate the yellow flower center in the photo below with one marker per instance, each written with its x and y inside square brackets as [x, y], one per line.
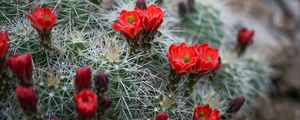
[208, 59]
[46, 17]
[130, 19]
[201, 114]
[186, 59]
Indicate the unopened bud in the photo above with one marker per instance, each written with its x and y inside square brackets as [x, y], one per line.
[236, 104]
[191, 5]
[27, 98]
[101, 82]
[141, 4]
[182, 9]
[104, 103]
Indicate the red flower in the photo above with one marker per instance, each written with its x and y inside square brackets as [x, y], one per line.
[21, 66]
[26, 97]
[3, 44]
[245, 37]
[205, 113]
[43, 19]
[129, 24]
[152, 17]
[208, 59]
[83, 78]
[162, 116]
[181, 58]
[86, 103]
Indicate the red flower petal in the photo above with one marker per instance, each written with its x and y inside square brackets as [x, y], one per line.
[21, 66]
[3, 44]
[128, 29]
[152, 17]
[208, 59]
[83, 78]
[42, 19]
[245, 37]
[86, 103]
[162, 116]
[205, 113]
[26, 97]
[214, 115]
[181, 58]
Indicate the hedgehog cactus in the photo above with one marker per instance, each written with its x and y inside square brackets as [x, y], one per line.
[130, 72]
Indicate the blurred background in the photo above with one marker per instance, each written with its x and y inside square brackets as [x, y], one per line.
[277, 27]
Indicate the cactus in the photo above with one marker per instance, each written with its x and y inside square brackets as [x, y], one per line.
[138, 83]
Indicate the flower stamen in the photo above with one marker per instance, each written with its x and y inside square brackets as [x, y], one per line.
[186, 59]
[208, 59]
[46, 17]
[130, 19]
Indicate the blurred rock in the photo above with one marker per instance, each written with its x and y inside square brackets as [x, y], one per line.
[277, 27]
[283, 108]
[265, 109]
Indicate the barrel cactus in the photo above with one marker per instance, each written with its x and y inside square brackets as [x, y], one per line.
[126, 46]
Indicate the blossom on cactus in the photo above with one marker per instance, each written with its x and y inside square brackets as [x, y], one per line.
[21, 66]
[236, 104]
[86, 103]
[83, 78]
[139, 26]
[3, 44]
[245, 37]
[206, 113]
[162, 116]
[181, 58]
[43, 19]
[152, 17]
[129, 24]
[104, 103]
[208, 59]
[101, 82]
[26, 97]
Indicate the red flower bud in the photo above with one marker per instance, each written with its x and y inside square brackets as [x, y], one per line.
[152, 17]
[3, 44]
[129, 24]
[206, 113]
[191, 5]
[181, 58]
[26, 97]
[21, 66]
[104, 103]
[236, 104]
[83, 78]
[86, 103]
[101, 82]
[141, 4]
[43, 19]
[245, 37]
[162, 116]
[208, 59]
[182, 9]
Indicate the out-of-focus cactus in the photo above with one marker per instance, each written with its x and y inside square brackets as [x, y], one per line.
[137, 87]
